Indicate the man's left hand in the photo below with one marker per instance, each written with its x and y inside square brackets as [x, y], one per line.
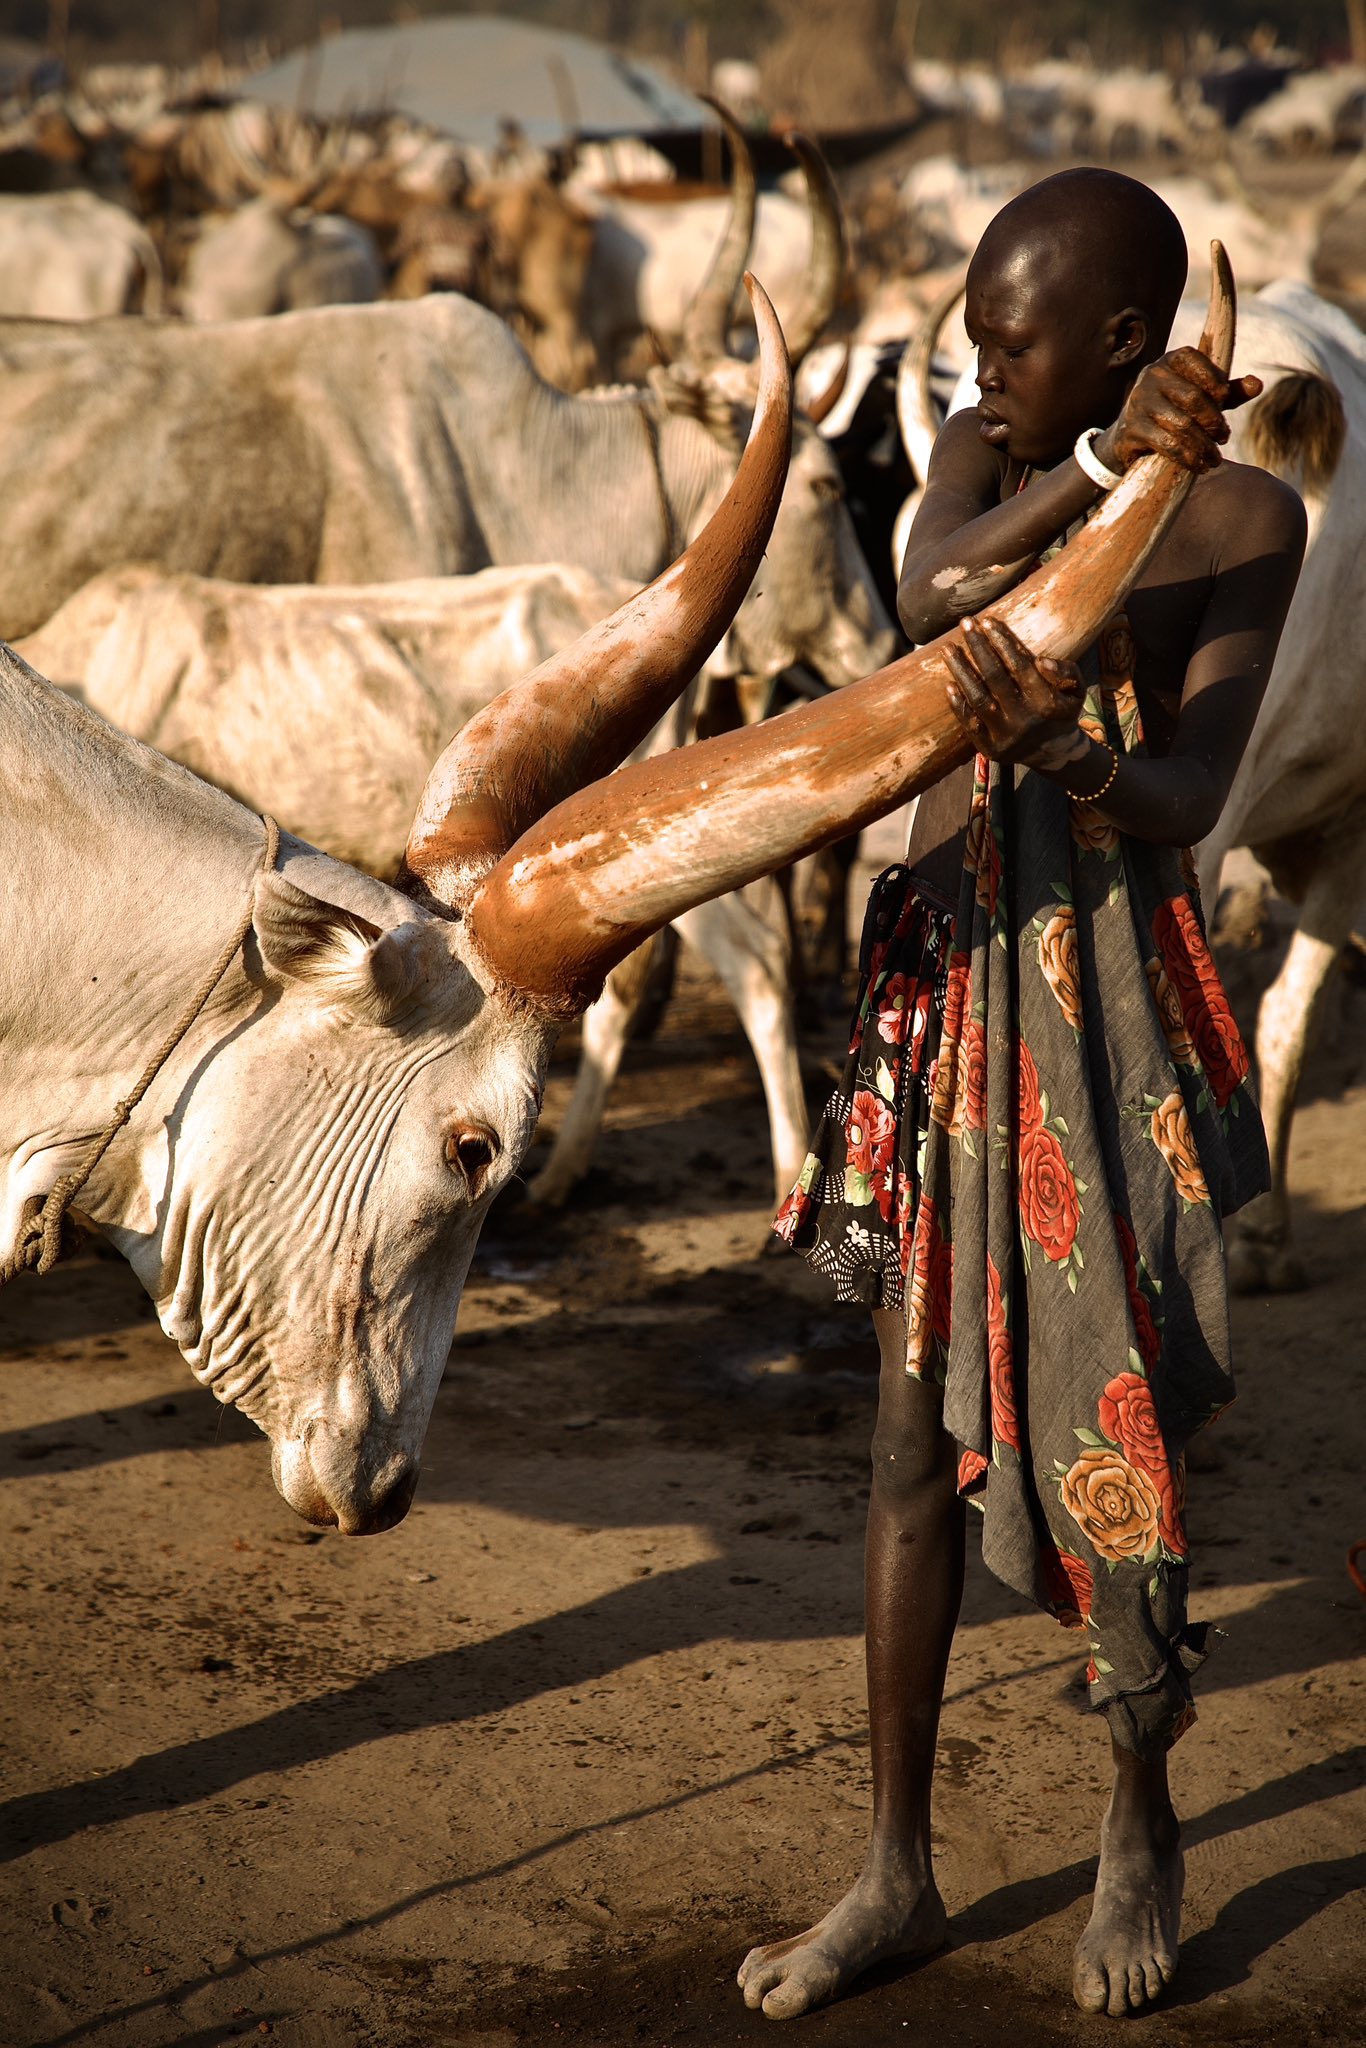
[1014, 705]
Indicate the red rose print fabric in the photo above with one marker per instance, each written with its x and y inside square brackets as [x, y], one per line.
[855, 1213]
[1044, 1190]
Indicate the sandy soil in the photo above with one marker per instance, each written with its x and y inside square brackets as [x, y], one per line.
[542, 1763]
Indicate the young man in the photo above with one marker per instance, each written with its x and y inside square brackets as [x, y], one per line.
[1045, 1113]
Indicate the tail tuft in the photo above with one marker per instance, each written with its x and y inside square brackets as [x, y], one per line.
[1297, 429]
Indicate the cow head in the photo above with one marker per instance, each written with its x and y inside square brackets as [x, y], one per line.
[309, 1260]
[309, 1256]
[814, 603]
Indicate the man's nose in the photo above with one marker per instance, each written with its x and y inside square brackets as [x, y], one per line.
[989, 376]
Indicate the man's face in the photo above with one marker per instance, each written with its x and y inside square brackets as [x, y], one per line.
[1044, 363]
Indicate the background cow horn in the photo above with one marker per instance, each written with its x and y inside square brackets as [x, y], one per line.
[616, 861]
[825, 401]
[825, 266]
[579, 714]
[706, 325]
[914, 401]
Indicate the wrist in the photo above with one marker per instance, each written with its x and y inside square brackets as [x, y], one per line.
[1105, 448]
[1058, 757]
[1091, 776]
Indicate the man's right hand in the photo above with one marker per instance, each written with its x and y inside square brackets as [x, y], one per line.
[1176, 408]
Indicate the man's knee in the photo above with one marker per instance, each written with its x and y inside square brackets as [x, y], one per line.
[913, 1458]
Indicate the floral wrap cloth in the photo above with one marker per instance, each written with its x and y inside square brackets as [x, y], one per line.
[1053, 1222]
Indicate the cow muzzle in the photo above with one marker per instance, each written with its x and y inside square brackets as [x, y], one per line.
[338, 1482]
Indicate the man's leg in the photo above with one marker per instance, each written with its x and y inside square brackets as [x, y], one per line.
[1128, 1953]
[914, 1584]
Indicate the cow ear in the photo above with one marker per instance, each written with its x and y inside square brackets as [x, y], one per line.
[301, 938]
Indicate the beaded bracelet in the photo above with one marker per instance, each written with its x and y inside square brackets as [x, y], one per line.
[1095, 795]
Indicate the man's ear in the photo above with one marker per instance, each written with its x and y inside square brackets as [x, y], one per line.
[301, 938]
[1127, 337]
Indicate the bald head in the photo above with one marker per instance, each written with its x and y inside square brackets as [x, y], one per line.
[1098, 240]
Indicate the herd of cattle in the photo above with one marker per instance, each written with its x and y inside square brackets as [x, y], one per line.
[296, 542]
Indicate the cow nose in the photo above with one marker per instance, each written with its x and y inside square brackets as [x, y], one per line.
[386, 1504]
[334, 1482]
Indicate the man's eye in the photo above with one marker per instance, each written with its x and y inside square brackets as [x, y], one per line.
[1013, 354]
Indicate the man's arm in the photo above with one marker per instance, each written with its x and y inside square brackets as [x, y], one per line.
[1176, 799]
[966, 548]
[1173, 800]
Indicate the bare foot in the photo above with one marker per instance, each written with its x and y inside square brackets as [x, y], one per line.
[1127, 1956]
[879, 1919]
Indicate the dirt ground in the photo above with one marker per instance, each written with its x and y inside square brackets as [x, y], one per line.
[542, 1763]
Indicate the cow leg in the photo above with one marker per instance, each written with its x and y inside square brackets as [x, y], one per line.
[744, 939]
[1261, 1257]
[607, 1026]
[822, 903]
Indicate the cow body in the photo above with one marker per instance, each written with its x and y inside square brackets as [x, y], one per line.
[71, 256]
[370, 443]
[1299, 800]
[267, 258]
[650, 256]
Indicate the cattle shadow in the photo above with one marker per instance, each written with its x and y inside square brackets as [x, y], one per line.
[1213, 1960]
[90, 1296]
[695, 1605]
[183, 1418]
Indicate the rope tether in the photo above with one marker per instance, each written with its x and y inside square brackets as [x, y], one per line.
[40, 1240]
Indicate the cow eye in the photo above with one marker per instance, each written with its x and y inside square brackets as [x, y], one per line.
[828, 487]
[471, 1149]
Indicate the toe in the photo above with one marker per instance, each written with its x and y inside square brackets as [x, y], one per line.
[758, 1982]
[1138, 1987]
[799, 1992]
[1089, 1986]
[1117, 2003]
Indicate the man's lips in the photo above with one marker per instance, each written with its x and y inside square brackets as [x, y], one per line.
[992, 428]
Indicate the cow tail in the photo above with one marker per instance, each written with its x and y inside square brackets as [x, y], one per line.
[1297, 429]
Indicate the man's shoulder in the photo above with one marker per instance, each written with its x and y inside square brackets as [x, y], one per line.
[1247, 510]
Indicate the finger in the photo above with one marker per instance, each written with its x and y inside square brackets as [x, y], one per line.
[1241, 390]
[1174, 401]
[978, 702]
[1064, 675]
[993, 656]
[970, 684]
[1194, 367]
[966, 717]
[1193, 451]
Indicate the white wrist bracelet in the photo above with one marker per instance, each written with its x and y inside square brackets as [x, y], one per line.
[1086, 458]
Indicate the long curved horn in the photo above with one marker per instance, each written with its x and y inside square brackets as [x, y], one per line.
[825, 265]
[914, 403]
[584, 710]
[706, 324]
[824, 403]
[615, 862]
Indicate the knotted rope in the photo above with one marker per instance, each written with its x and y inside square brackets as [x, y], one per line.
[41, 1241]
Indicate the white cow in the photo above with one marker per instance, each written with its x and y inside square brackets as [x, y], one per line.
[71, 256]
[270, 257]
[1300, 796]
[658, 263]
[956, 204]
[1304, 114]
[302, 1184]
[325, 706]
